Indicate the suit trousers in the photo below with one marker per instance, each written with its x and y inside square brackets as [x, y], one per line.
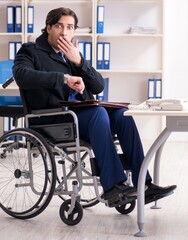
[98, 125]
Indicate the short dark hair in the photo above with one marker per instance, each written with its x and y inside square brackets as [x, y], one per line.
[54, 15]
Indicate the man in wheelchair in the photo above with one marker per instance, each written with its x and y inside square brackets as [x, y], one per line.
[53, 69]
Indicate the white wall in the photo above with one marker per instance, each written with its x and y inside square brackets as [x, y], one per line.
[176, 53]
[176, 48]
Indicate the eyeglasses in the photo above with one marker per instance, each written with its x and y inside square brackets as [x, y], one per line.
[60, 26]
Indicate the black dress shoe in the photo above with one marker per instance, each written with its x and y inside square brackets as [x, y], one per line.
[120, 194]
[120, 189]
[154, 192]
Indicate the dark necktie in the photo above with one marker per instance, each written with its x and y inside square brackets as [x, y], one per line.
[62, 56]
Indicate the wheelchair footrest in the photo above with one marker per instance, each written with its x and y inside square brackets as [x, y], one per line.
[120, 200]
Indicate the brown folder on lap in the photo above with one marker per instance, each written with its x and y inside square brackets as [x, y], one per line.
[94, 102]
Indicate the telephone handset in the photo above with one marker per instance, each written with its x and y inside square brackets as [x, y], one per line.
[168, 104]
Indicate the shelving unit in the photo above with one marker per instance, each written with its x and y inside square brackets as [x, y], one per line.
[83, 9]
[5, 37]
[134, 58]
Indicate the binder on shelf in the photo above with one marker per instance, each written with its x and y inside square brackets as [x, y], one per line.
[5, 70]
[11, 50]
[100, 19]
[100, 55]
[10, 18]
[106, 50]
[18, 19]
[103, 55]
[30, 19]
[82, 48]
[158, 88]
[154, 88]
[151, 88]
[17, 46]
[88, 52]
[103, 96]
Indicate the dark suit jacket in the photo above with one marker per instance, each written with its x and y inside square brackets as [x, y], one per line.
[39, 72]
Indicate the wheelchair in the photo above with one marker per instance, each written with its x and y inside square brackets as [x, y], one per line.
[48, 159]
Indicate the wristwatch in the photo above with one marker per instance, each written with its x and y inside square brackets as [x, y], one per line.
[66, 78]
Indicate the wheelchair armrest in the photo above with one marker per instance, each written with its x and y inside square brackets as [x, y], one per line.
[51, 110]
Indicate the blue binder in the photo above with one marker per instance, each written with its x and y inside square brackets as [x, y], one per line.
[5, 70]
[10, 18]
[30, 19]
[106, 50]
[81, 46]
[18, 19]
[100, 19]
[17, 46]
[11, 50]
[151, 88]
[158, 88]
[103, 96]
[88, 52]
[100, 55]
[154, 88]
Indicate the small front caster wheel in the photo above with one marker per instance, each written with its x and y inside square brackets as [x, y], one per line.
[3, 155]
[73, 218]
[127, 208]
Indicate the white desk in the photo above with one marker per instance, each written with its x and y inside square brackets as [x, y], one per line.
[176, 121]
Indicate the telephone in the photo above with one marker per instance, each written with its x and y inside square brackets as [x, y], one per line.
[167, 104]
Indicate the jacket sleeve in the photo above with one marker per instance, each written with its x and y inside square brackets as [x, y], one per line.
[93, 80]
[28, 72]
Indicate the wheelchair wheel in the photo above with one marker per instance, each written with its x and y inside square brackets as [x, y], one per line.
[127, 208]
[87, 194]
[73, 218]
[27, 173]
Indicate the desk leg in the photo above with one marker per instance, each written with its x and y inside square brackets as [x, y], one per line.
[159, 142]
[157, 164]
[156, 170]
